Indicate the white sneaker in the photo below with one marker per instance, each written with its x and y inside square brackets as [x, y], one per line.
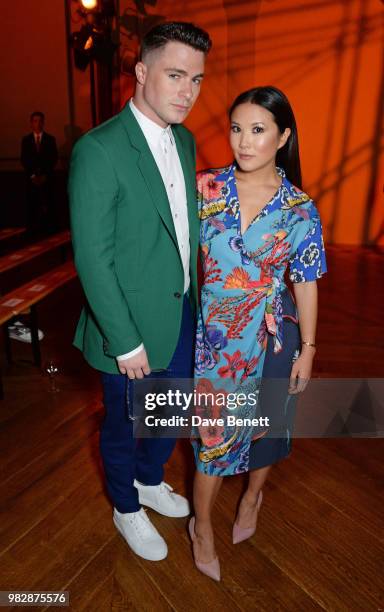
[161, 499]
[141, 536]
[19, 331]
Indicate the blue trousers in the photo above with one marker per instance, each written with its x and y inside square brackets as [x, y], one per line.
[124, 457]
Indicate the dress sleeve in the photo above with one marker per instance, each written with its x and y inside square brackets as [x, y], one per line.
[308, 263]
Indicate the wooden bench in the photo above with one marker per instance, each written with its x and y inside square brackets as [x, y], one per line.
[11, 232]
[28, 296]
[26, 254]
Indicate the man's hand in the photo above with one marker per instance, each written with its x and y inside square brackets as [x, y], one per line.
[136, 366]
[39, 180]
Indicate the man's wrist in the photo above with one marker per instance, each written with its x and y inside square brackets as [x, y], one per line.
[131, 353]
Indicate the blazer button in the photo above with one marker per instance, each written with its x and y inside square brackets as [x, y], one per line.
[177, 294]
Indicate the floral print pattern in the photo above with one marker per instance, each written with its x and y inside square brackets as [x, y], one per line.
[241, 301]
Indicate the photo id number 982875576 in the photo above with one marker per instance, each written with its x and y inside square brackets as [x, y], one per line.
[33, 598]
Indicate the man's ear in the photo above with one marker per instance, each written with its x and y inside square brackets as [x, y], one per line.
[141, 72]
[284, 137]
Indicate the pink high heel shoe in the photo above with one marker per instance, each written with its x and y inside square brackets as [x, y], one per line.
[239, 534]
[211, 569]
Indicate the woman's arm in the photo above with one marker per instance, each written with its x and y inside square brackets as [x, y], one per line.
[306, 300]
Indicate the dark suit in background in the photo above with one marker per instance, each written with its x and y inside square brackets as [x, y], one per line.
[39, 163]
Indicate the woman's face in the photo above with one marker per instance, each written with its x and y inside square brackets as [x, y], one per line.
[255, 137]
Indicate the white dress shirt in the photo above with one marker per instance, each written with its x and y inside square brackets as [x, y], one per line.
[38, 135]
[163, 148]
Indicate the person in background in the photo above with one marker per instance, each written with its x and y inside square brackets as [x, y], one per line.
[39, 157]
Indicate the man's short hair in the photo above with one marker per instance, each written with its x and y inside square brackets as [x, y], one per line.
[37, 114]
[178, 31]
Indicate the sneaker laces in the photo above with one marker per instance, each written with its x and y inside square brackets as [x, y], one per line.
[165, 489]
[142, 524]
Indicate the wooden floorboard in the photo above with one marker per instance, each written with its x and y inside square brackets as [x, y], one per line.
[320, 538]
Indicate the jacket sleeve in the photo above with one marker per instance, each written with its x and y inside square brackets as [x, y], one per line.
[25, 156]
[93, 193]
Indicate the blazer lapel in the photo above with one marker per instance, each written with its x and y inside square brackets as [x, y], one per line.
[148, 169]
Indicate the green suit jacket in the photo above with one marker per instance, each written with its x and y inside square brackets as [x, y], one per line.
[125, 245]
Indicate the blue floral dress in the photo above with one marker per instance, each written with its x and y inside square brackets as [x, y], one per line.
[245, 313]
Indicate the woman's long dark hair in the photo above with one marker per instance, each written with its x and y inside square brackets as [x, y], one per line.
[277, 103]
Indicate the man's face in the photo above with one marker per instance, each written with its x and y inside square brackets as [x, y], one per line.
[37, 124]
[170, 80]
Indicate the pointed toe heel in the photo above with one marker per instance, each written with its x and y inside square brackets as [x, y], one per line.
[210, 569]
[239, 534]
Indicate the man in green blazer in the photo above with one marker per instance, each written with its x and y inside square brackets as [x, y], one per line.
[135, 237]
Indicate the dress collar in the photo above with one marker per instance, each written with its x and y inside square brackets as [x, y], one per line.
[232, 198]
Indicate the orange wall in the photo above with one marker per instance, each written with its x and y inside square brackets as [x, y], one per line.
[33, 72]
[328, 57]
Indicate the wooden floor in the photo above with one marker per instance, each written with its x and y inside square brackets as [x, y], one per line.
[320, 538]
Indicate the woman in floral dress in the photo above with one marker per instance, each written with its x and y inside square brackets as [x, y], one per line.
[256, 226]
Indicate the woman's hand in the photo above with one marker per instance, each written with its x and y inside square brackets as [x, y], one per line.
[301, 370]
